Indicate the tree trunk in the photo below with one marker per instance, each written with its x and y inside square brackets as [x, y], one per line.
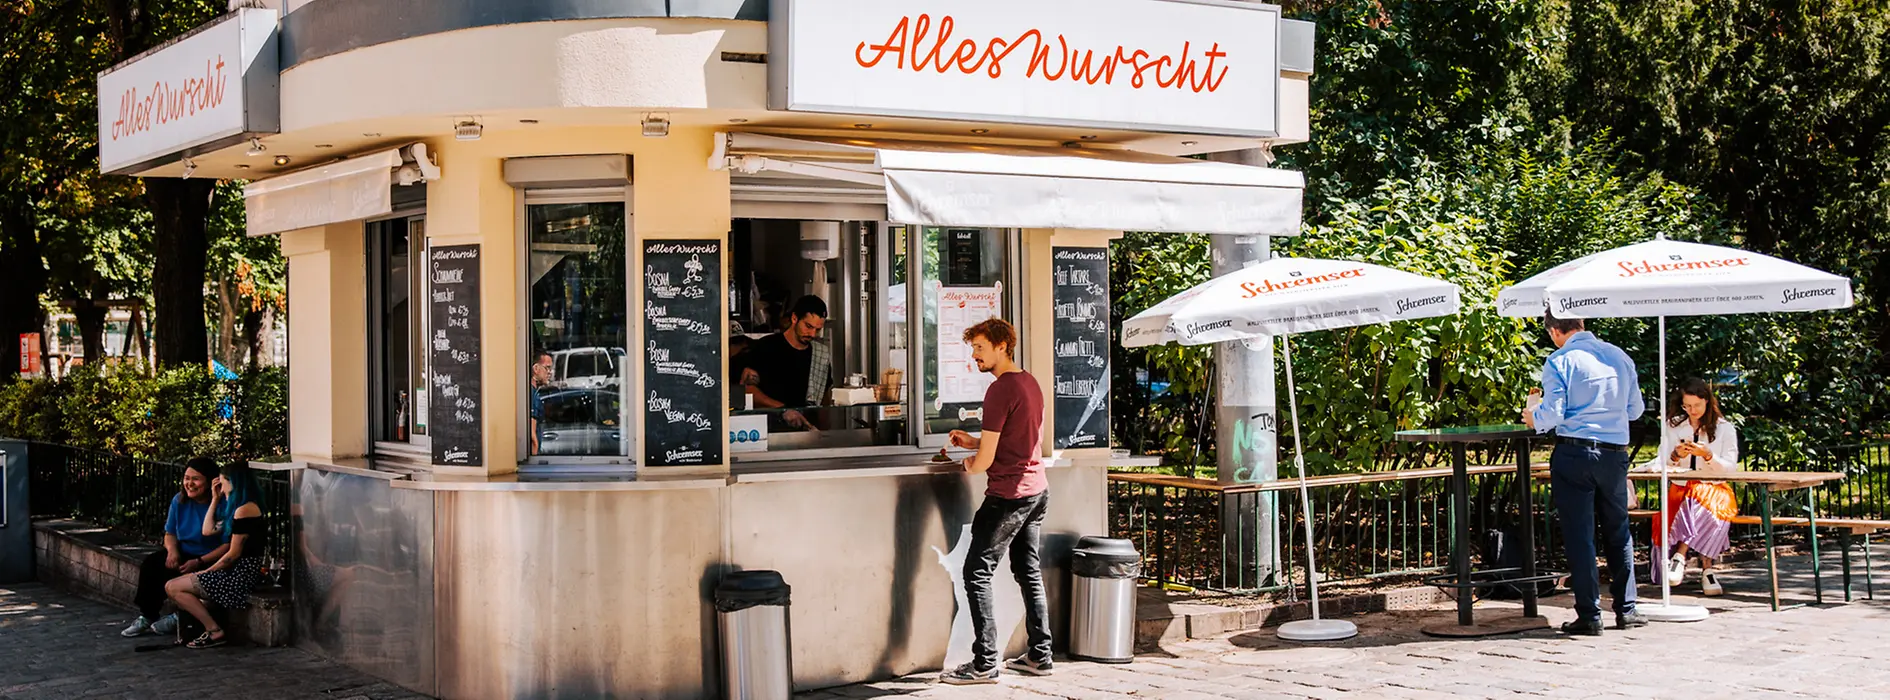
[22, 280]
[90, 314]
[226, 324]
[178, 212]
[252, 338]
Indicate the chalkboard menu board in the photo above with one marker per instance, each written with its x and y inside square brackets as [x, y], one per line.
[682, 331]
[456, 405]
[1081, 336]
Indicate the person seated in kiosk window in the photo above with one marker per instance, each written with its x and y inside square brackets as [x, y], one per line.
[793, 368]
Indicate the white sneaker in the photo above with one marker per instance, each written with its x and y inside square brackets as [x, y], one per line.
[165, 625]
[1676, 570]
[137, 627]
[1709, 584]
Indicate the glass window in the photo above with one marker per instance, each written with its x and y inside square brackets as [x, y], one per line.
[579, 330]
[963, 283]
[399, 363]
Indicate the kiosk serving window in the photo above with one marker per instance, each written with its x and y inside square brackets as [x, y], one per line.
[578, 379]
[852, 383]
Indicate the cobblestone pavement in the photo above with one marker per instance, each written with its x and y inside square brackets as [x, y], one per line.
[57, 646]
[1743, 651]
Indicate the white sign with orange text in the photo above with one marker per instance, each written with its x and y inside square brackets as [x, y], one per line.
[1175, 66]
[960, 308]
[216, 84]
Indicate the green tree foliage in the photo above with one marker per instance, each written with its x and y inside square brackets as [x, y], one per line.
[1358, 385]
[1541, 130]
[171, 416]
[1398, 85]
[248, 279]
[50, 52]
[1146, 268]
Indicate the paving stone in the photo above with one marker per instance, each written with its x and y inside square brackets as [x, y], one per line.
[56, 646]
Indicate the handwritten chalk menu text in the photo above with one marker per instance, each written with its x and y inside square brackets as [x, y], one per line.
[1081, 335]
[682, 332]
[455, 406]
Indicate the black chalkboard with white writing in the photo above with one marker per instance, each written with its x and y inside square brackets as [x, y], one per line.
[456, 406]
[1081, 337]
[682, 332]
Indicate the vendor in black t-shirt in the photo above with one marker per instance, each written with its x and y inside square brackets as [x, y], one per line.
[790, 369]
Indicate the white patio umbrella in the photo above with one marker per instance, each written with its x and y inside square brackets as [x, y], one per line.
[1664, 278]
[1280, 297]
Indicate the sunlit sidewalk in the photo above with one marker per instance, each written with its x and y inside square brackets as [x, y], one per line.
[1743, 651]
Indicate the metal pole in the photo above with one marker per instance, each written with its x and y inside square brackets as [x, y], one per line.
[1666, 530]
[1246, 423]
[1299, 464]
[1460, 531]
[1523, 503]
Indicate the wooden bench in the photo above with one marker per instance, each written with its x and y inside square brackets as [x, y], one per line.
[1847, 528]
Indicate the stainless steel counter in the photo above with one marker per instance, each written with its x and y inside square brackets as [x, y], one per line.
[641, 481]
[913, 464]
[598, 584]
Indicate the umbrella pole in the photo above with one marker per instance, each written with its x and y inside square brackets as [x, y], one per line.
[1666, 529]
[1666, 611]
[1317, 629]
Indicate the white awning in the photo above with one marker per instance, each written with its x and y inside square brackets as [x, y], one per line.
[934, 184]
[349, 190]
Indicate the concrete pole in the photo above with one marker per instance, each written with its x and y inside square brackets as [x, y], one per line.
[1246, 419]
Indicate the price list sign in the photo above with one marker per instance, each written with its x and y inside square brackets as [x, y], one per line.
[682, 313]
[1081, 336]
[456, 405]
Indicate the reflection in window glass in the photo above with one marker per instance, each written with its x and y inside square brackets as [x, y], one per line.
[397, 291]
[963, 272]
[397, 405]
[579, 329]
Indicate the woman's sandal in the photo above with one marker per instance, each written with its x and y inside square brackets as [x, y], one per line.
[208, 640]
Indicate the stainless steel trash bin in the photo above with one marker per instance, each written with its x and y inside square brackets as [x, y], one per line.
[1102, 601]
[752, 617]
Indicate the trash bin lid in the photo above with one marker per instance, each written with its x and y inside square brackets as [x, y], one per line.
[752, 586]
[1107, 549]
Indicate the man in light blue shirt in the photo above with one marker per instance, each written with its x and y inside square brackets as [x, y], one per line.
[1590, 393]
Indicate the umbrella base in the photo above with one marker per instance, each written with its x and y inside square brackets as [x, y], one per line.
[1672, 613]
[1317, 631]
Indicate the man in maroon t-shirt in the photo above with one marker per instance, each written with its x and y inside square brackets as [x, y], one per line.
[1015, 501]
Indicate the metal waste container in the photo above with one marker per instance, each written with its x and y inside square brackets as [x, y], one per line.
[1102, 604]
[752, 617]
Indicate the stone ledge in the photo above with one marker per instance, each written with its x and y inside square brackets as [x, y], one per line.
[95, 563]
[1165, 621]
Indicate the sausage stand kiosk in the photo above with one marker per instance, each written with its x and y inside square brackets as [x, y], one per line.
[532, 245]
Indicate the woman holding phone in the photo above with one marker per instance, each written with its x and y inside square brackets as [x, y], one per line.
[1699, 513]
[236, 513]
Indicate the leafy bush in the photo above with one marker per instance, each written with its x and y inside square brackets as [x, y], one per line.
[175, 415]
[1358, 385]
[1145, 269]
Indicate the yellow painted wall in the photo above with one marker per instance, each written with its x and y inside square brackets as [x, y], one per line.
[675, 195]
[328, 342]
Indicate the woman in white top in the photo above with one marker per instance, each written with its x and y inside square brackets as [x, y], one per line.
[1699, 513]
